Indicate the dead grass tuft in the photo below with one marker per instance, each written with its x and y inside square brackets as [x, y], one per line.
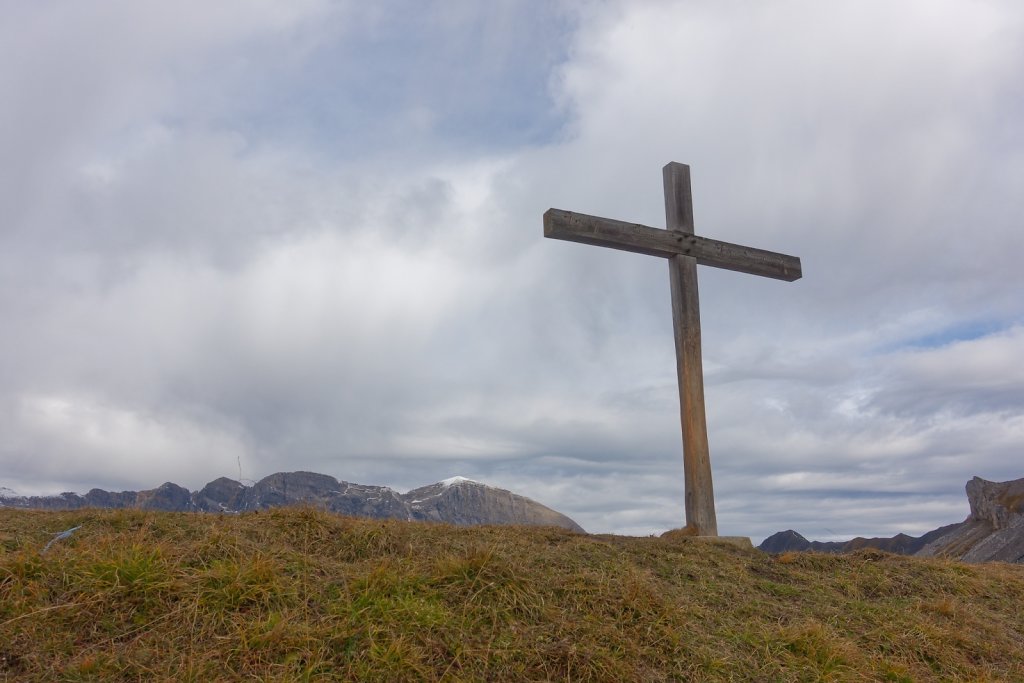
[682, 532]
[788, 557]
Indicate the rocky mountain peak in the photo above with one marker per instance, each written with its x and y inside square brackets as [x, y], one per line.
[457, 500]
[168, 496]
[463, 501]
[783, 541]
[220, 494]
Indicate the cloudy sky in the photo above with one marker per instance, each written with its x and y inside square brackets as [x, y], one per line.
[255, 236]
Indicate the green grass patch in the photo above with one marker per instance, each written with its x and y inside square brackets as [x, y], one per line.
[300, 594]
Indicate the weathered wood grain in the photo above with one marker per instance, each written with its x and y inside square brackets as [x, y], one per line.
[699, 500]
[643, 239]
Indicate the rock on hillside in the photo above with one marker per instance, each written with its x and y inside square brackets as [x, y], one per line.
[993, 532]
[456, 500]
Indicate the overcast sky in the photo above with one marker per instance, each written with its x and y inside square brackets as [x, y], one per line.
[246, 237]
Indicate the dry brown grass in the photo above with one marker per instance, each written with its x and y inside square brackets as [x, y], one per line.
[303, 595]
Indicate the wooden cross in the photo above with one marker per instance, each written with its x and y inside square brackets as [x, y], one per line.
[684, 251]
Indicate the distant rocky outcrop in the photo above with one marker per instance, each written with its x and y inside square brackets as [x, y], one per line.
[994, 531]
[456, 501]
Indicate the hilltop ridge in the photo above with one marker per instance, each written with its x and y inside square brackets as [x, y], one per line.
[303, 594]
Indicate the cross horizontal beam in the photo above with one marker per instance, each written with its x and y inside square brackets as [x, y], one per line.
[643, 239]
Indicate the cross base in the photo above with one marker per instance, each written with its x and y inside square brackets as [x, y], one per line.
[687, 533]
[738, 541]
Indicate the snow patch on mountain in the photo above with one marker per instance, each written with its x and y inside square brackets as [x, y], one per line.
[451, 481]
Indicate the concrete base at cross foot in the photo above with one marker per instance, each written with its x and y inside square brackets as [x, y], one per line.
[686, 533]
[738, 541]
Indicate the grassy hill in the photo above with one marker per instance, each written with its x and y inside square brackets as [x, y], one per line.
[298, 594]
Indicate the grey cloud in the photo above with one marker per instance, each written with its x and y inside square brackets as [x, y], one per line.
[282, 252]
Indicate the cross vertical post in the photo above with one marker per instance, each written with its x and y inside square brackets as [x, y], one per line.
[699, 500]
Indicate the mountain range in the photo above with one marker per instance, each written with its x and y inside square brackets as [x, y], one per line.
[993, 532]
[456, 501]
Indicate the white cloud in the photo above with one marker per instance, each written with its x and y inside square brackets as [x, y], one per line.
[986, 364]
[86, 439]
